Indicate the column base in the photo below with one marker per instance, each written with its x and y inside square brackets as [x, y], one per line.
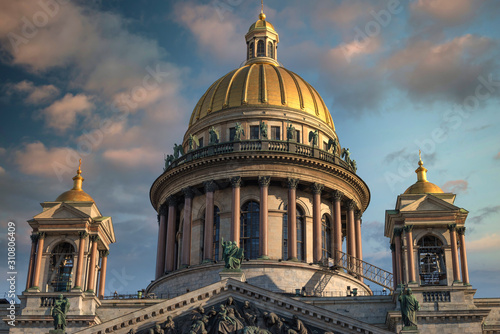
[90, 291]
[236, 274]
[457, 283]
[264, 257]
[34, 289]
[208, 261]
[77, 289]
[293, 259]
[410, 330]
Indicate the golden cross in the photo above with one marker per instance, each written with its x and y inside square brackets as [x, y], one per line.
[80, 165]
[262, 6]
[420, 155]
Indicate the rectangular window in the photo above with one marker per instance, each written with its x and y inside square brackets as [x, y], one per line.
[325, 146]
[297, 136]
[200, 141]
[232, 133]
[275, 133]
[254, 132]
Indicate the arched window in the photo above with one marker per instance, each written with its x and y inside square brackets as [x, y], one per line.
[300, 234]
[250, 50]
[249, 228]
[325, 237]
[215, 252]
[432, 267]
[61, 267]
[270, 50]
[261, 49]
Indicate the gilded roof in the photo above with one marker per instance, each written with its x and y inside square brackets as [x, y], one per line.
[74, 196]
[261, 25]
[262, 84]
[424, 187]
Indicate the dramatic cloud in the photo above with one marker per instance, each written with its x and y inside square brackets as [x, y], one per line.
[448, 12]
[62, 114]
[449, 70]
[484, 213]
[455, 187]
[35, 94]
[135, 158]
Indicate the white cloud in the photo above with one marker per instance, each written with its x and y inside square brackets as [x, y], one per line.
[488, 243]
[36, 159]
[449, 12]
[62, 114]
[36, 94]
[138, 157]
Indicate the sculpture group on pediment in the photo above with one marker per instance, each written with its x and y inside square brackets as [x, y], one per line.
[227, 318]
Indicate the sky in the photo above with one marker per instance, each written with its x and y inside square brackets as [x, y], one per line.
[114, 83]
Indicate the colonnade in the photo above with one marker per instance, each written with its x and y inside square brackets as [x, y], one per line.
[35, 264]
[409, 276]
[168, 211]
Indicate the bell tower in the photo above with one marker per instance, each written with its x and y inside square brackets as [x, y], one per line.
[69, 250]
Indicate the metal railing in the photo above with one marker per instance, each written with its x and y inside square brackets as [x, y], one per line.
[360, 268]
[260, 145]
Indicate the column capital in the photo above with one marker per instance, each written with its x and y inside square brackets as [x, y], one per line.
[264, 181]
[171, 201]
[393, 248]
[337, 195]
[461, 230]
[210, 186]
[398, 231]
[317, 188]
[83, 234]
[94, 238]
[452, 227]
[188, 192]
[34, 237]
[358, 214]
[292, 183]
[42, 235]
[408, 228]
[236, 181]
[163, 210]
[104, 253]
[351, 205]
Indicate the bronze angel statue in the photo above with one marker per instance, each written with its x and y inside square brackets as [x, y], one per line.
[333, 143]
[313, 137]
[346, 155]
[192, 140]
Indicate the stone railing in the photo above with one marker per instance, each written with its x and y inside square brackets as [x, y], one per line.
[260, 146]
[47, 301]
[436, 296]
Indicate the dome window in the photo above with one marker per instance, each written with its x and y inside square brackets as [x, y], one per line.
[261, 50]
[270, 49]
[250, 50]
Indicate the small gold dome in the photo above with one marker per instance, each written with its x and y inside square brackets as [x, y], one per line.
[262, 85]
[76, 194]
[422, 186]
[261, 24]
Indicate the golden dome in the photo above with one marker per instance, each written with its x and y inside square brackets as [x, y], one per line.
[262, 84]
[422, 186]
[261, 24]
[76, 194]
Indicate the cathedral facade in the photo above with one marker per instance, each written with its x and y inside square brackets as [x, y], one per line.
[260, 168]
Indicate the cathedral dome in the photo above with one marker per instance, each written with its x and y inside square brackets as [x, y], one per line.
[262, 84]
[422, 186]
[76, 194]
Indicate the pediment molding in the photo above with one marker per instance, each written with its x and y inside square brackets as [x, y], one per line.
[62, 211]
[429, 203]
[217, 293]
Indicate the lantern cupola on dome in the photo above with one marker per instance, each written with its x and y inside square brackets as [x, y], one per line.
[262, 41]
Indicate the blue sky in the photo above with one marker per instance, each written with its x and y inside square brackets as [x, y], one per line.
[114, 82]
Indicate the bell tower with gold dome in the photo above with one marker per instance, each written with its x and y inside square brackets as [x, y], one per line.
[262, 41]
[69, 252]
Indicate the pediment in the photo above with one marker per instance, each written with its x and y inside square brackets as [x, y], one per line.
[62, 211]
[107, 226]
[429, 203]
[280, 311]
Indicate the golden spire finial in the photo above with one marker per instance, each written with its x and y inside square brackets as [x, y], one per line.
[262, 16]
[78, 179]
[421, 170]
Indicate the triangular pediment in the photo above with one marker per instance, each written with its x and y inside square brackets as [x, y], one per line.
[184, 311]
[107, 227]
[62, 211]
[429, 203]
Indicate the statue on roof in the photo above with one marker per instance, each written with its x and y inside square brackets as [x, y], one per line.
[213, 136]
[263, 130]
[409, 307]
[178, 151]
[290, 131]
[346, 155]
[232, 255]
[192, 140]
[313, 137]
[332, 143]
[59, 311]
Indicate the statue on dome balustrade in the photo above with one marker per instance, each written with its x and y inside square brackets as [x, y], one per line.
[238, 131]
[178, 151]
[192, 140]
[290, 131]
[333, 143]
[346, 155]
[263, 130]
[313, 138]
[213, 136]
